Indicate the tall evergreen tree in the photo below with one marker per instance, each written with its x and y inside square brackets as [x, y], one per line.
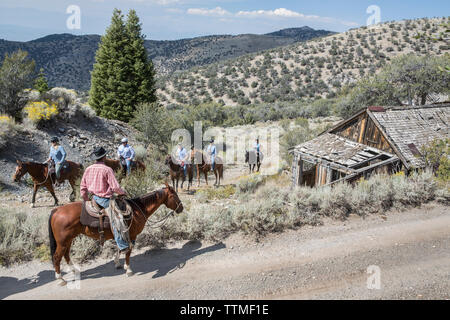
[144, 73]
[122, 76]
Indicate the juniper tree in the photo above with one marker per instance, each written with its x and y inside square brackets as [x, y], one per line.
[123, 76]
[16, 74]
[41, 84]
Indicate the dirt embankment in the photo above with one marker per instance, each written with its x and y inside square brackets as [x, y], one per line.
[410, 250]
[79, 135]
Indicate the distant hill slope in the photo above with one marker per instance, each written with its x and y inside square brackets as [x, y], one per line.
[310, 69]
[68, 59]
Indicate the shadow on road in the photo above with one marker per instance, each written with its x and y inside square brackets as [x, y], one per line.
[10, 285]
[161, 261]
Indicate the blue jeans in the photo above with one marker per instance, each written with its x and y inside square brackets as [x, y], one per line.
[58, 167]
[122, 244]
[213, 162]
[128, 162]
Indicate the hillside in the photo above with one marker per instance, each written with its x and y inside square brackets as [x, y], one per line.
[316, 68]
[68, 59]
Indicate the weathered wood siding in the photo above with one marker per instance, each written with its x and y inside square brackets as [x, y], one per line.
[363, 130]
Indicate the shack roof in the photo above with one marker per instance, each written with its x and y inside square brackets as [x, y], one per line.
[409, 129]
[341, 151]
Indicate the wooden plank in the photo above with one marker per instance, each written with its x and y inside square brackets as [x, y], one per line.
[391, 143]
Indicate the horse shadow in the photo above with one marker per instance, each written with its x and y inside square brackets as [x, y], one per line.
[161, 261]
[11, 285]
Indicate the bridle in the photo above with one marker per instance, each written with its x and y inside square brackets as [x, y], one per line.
[154, 225]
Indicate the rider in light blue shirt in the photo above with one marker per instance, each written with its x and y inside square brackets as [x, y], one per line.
[58, 155]
[127, 153]
[212, 152]
[182, 157]
[257, 146]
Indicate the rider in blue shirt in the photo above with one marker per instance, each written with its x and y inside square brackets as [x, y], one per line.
[182, 157]
[212, 152]
[57, 155]
[127, 153]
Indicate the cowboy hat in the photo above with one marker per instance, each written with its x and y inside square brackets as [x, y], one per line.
[99, 153]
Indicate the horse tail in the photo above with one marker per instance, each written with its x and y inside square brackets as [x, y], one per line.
[51, 235]
[221, 172]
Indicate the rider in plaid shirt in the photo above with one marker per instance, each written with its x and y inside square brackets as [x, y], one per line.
[99, 180]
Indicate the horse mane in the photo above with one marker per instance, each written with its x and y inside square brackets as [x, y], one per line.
[149, 197]
[34, 163]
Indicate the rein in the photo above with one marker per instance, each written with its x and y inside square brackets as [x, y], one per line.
[46, 178]
[153, 224]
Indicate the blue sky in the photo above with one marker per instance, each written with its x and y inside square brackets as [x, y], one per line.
[24, 20]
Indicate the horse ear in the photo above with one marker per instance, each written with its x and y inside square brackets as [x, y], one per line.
[19, 162]
[167, 185]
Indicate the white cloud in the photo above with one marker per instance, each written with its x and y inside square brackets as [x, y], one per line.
[286, 13]
[281, 12]
[218, 11]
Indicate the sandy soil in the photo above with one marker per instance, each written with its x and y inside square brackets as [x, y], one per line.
[411, 249]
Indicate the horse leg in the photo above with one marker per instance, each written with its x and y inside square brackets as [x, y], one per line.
[72, 196]
[59, 253]
[50, 188]
[127, 264]
[198, 176]
[117, 260]
[35, 189]
[72, 267]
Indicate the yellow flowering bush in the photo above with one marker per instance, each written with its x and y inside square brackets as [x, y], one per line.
[40, 110]
[6, 119]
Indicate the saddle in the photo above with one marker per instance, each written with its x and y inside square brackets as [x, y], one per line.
[123, 163]
[52, 170]
[93, 215]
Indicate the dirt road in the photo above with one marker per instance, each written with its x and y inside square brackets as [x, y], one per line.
[411, 250]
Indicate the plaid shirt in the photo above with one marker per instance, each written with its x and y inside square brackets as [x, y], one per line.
[99, 180]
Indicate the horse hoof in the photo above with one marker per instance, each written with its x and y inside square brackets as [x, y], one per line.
[118, 266]
[32, 206]
[61, 282]
[130, 274]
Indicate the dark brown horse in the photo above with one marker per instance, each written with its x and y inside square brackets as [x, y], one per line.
[116, 165]
[41, 178]
[254, 160]
[205, 166]
[64, 225]
[176, 172]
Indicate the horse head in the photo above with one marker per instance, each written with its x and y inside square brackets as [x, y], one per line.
[168, 160]
[21, 170]
[172, 200]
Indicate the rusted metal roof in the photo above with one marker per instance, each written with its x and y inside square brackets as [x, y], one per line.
[410, 129]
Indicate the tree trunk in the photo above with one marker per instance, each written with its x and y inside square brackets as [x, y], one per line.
[423, 99]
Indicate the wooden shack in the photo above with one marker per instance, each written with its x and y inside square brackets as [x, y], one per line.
[376, 139]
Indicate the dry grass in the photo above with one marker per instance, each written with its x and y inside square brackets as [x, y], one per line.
[258, 207]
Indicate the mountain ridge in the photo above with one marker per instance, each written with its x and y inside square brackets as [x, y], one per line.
[67, 59]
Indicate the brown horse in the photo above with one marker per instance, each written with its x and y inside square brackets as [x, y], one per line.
[116, 165]
[64, 225]
[176, 172]
[41, 178]
[205, 166]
